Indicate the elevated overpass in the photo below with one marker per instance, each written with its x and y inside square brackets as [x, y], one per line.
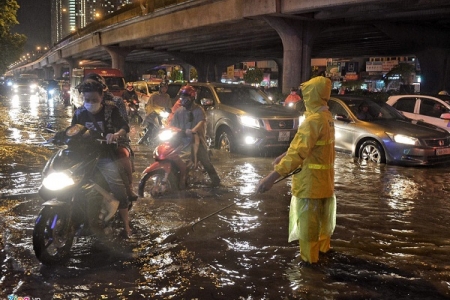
[212, 34]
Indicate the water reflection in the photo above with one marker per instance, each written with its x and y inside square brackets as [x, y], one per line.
[391, 240]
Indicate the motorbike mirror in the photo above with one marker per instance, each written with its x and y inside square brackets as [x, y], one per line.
[206, 102]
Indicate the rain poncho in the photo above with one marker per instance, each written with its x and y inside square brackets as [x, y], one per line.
[312, 216]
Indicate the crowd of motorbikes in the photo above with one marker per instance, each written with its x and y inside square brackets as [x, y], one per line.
[78, 202]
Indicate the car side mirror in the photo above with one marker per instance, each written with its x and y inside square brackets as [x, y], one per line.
[342, 118]
[206, 102]
[445, 116]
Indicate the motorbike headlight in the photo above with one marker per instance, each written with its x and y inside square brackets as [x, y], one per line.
[403, 139]
[57, 181]
[166, 135]
[249, 121]
[51, 92]
[164, 114]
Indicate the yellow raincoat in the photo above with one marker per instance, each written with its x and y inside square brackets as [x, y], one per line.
[312, 216]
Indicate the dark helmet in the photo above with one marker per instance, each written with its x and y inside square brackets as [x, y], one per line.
[98, 78]
[187, 96]
[90, 86]
[189, 91]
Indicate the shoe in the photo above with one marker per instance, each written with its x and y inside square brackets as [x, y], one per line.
[133, 197]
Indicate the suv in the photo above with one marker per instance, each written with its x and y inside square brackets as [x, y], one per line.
[429, 109]
[243, 117]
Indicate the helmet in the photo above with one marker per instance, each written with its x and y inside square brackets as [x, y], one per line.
[187, 96]
[189, 91]
[443, 93]
[90, 86]
[98, 78]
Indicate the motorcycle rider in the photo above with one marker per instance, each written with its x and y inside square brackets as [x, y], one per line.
[159, 99]
[129, 94]
[124, 152]
[105, 119]
[191, 118]
[130, 97]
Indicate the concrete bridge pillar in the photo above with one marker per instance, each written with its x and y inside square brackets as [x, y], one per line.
[431, 47]
[118, 56]
[296, 37]
[48, 73]
[57, 71]
[204, 64]
[435, 70]
[186, 71]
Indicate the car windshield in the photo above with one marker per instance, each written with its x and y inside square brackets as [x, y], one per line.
[239, 95]
[25, 81]
[374, 111]
[115, 83]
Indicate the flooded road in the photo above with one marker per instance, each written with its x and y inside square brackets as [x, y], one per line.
[392, 239]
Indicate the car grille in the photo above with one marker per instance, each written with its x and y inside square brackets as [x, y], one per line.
[280, 124]
[437, 142]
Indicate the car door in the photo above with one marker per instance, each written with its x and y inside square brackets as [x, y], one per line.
[343, 125]
[204, 92]
[409, 106]
[430, 111]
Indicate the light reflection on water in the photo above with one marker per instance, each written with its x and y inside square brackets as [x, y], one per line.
[391, 242]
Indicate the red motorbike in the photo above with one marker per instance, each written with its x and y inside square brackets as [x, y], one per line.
[173, 168]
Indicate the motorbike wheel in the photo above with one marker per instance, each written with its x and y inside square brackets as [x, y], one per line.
[153, 184]
[53, 235]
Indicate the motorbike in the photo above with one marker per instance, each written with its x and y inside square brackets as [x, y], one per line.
[77, 200]
[152, 124]
[133, 111]
[173, 168]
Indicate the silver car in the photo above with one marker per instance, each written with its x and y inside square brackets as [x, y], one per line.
[386, 136]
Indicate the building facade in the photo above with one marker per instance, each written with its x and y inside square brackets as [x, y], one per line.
[68, 16]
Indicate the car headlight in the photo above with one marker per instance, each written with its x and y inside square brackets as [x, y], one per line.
[57, 181]
[15, 86]
[249, 121]
[403, 139]
[33, 86]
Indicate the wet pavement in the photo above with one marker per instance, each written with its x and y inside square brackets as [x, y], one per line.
[392, 239]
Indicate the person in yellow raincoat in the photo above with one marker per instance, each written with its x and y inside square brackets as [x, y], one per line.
[312, 215]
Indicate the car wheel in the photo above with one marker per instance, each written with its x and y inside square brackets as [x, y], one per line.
[226, 141]
[372, 151]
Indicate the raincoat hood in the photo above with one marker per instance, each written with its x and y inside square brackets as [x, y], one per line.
[316, 93]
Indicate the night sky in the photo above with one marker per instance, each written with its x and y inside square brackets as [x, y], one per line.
[34, 22]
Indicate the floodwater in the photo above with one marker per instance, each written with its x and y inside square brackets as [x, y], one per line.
[392, 239]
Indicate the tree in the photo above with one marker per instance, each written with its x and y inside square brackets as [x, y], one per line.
[11, 44]
[401, 73]
[253, 75]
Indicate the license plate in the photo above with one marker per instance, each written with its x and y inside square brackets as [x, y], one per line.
[283, 136]
[443, 151]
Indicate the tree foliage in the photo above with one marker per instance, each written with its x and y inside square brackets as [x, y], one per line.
[253, 75]
[403, 71]
[11, 44]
